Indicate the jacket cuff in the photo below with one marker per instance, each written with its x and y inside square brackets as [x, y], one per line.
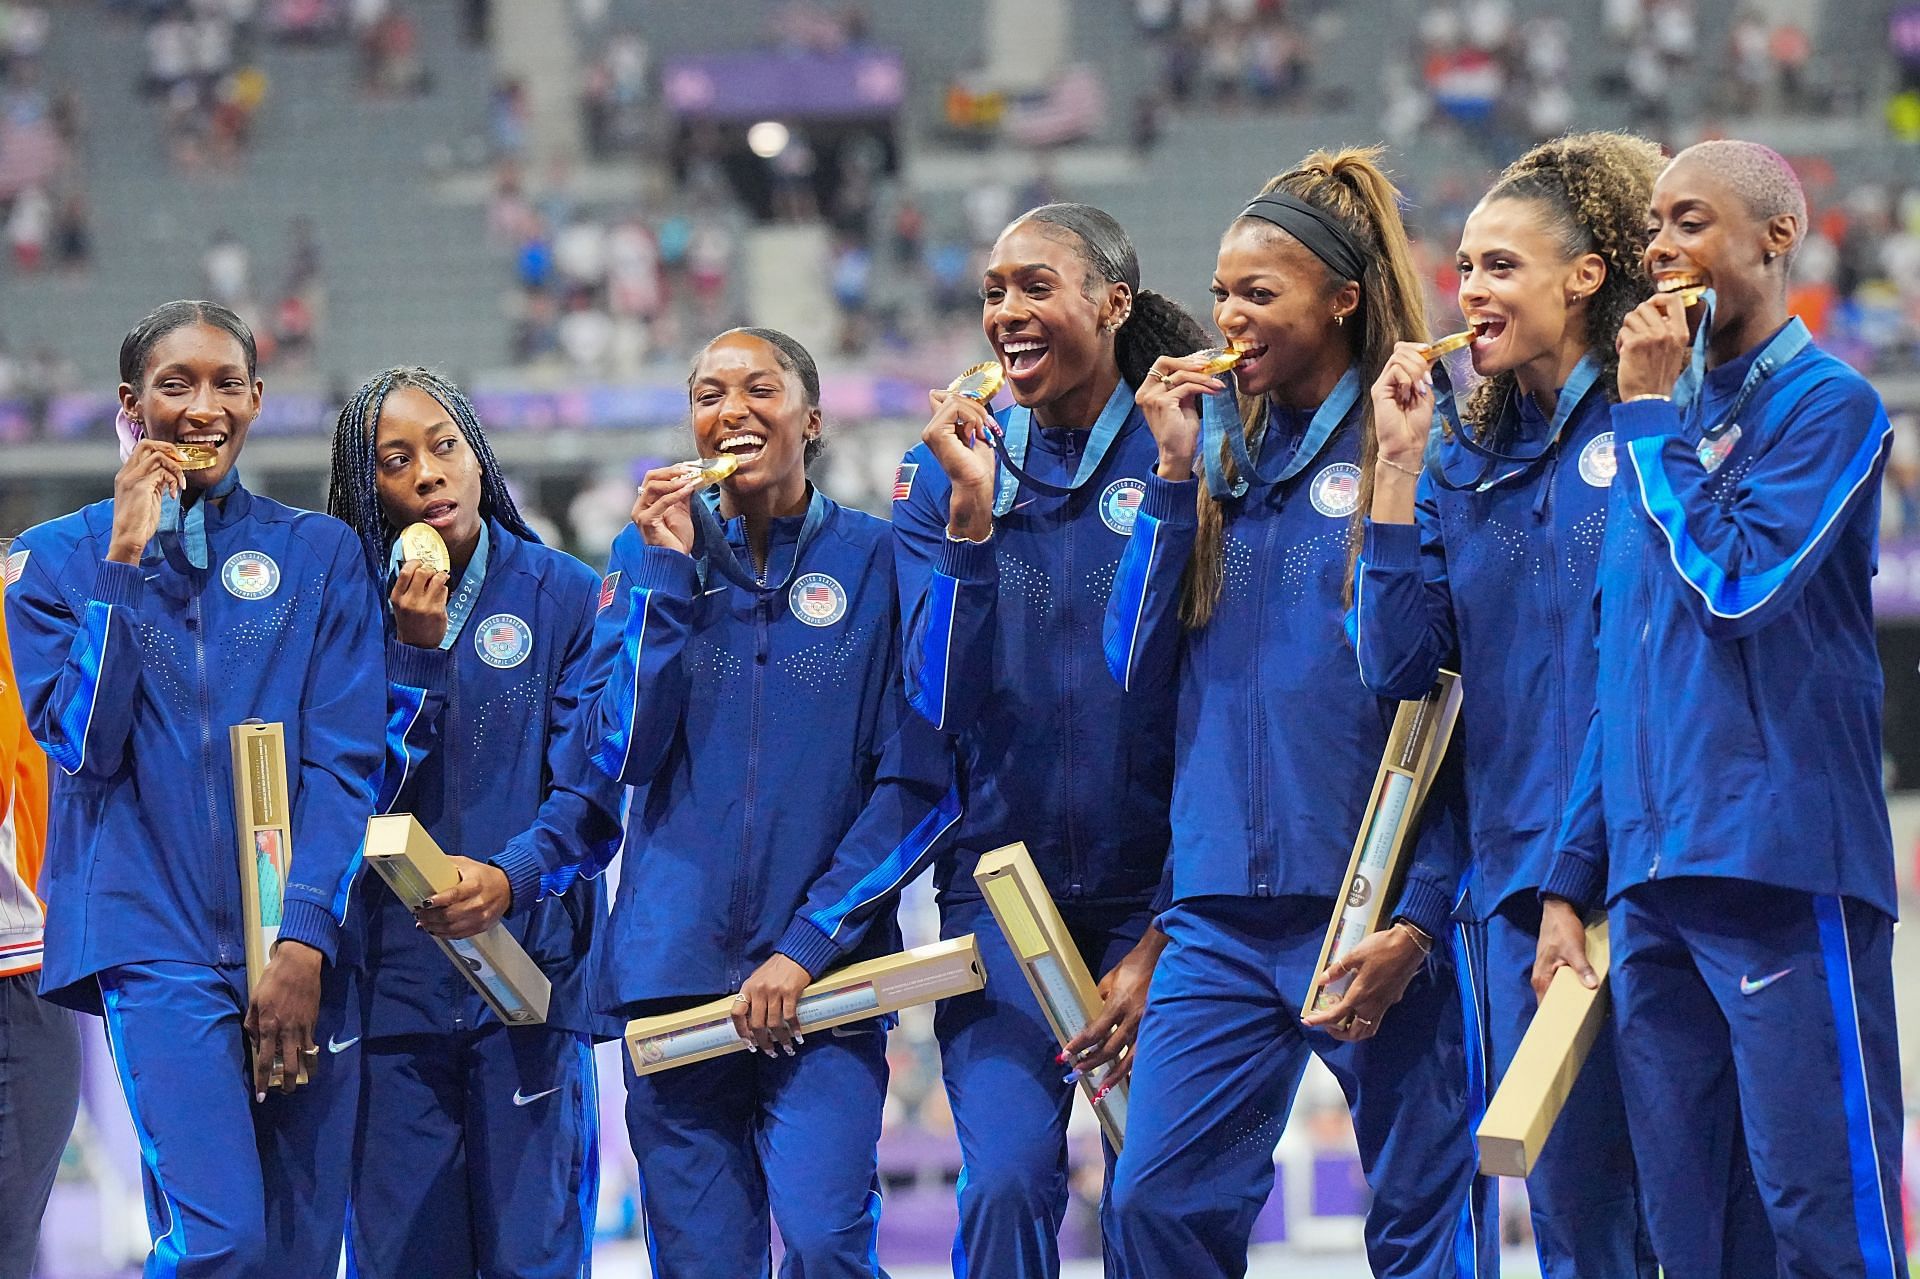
[123, 585]
[413, 667]
[662, 568]
[966, 561]
[522, 869]
[1576, 879]
[1171, 501]
[309, 922]
[1391, 546]
[1644, 420]
[1424, 904]
[808, 947]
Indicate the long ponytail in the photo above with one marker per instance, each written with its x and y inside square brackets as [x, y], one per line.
[1350, 186]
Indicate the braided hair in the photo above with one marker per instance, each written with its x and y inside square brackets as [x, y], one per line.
[353, 495]
[1157, 325]
[1594, 190]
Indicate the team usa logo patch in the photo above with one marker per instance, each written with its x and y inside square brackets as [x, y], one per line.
[16, 565]
[818, 600]
[1335, 492]
[1120, 505]
[250, 575]
[607, 585]
[1715, 450]
[503, 641]
[903, 480]
[1597, 461]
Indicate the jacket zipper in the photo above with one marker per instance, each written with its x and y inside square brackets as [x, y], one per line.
[224, 907]
[1076, 862]
[1256, 726]
[736, 934]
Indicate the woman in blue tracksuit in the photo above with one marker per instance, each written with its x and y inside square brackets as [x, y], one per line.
[1005, 563]
[478, 1151]
[1728, 807]
[747, 686]
[1487, 559]
[1237, 593]
[142, 628]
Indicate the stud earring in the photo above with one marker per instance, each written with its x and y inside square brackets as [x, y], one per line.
[1339, 320]
[1769, 256]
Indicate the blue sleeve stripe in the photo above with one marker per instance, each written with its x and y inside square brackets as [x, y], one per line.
[348, 878]
[1871, 1220]
[937, 650]
[1130, 598]
[405, 705]
[69, 750]
[169, 1246]
[898, 866]
[1735, 597]
[623, 687]
[555, 883]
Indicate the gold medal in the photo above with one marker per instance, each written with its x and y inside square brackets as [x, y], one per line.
[1220, 359]
[981, 382]
[196, 457]
[715, 469]
[423, 542]
[1449, 344]
[1685, 285]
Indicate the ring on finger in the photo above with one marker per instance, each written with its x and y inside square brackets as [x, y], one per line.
[1164, 379]
[1358, 1020]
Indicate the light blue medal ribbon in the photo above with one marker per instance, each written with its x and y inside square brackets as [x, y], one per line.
[1220, 425]
[1446, 471]
[188, 524]
[1781, 348]
[711, 552]
[461, 600]
[1011, 445]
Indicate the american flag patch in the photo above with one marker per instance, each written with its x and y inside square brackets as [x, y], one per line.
[606, 589]
[903, 480]
[16, 565]
[818, 597]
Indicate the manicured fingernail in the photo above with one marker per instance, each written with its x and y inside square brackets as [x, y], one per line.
[789, 1049]
[1101, 1093]
[799, 1038]
[1060, 1058]
[1071, 1077]
[259, 1096]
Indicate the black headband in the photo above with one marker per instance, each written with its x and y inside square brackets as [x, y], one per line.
[1325, 237]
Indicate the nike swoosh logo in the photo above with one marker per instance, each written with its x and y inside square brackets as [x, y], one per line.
[1748, 986]
[1018, 505]
[520, 1099]
[335, 1046]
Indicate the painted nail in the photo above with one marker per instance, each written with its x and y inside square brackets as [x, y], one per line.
[799, 1038]
[1071, 1077]
[1060, 1058]
[789, 1049]
[1101, 1093]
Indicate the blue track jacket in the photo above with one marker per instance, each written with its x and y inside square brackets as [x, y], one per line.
[1003, 650]
[782, 791]
[1500, 580]
[488, 746]
[1737, 731]
[1277, 740]
[131, 676]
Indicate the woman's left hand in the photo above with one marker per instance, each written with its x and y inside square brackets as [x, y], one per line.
[471, 906]
[1108, 1038]
[767, 1010]
[1382, 966]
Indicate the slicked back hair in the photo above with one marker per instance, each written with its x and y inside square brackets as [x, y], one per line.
[136, 349]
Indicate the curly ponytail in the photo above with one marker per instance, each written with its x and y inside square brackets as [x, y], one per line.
[1594, 188]
[1350, 185]
[1157, 325]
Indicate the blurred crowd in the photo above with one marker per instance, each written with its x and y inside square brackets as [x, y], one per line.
[43, 200]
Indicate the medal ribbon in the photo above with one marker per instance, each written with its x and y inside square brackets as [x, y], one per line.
[1580, 383]
[1011, 445]
[188, 524]
[1782, 347]
[1220, 424]
[712, 552]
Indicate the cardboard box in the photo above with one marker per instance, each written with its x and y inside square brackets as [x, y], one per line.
[1061, 983]
[402, 853]
[1415, 746]
[1551, 1053]
[871, 988]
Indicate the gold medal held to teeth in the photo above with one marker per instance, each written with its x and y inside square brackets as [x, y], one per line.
[196, 457]
[981, 382]
[423, 542]
[1688, 287]
[1220, 359]
[1449, 344]
[715, 469]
